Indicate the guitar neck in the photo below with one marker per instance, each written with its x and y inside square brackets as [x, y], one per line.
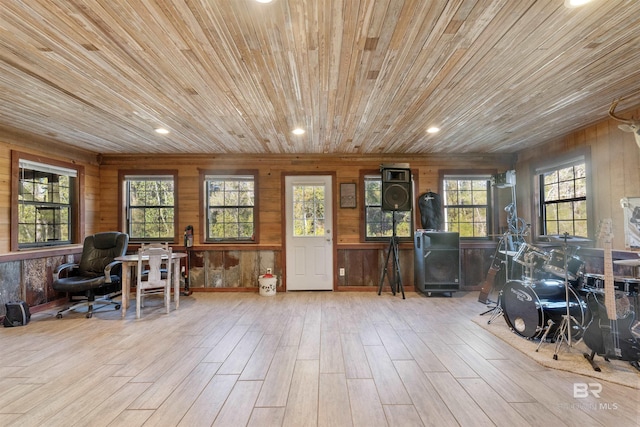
[609, 282]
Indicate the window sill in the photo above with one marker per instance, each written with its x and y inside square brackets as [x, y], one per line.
[33, 253]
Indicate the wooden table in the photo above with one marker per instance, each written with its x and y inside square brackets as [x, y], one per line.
[129, 261]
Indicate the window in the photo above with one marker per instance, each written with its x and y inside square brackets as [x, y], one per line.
[563, 199]
[379, 223]
[466, 202]
[46, 204]
[308, 210]
[150, 201]
[230, 207]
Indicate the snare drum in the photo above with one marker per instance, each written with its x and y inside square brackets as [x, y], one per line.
[555, 265]
[595, 282]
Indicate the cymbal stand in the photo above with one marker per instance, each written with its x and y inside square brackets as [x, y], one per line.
[564, 331]
[395, 279]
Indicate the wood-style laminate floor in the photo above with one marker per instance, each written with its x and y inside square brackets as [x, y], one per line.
[295, 359]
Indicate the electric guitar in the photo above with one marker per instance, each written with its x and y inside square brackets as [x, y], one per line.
[609, 333]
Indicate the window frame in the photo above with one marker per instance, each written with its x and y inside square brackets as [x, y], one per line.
[540, 168]
[76, 204]
[123, 176]
[491, 198]
[364, 176]
[204, 205]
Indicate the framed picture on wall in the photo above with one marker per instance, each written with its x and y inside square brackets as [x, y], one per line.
[347, 195]
[631, 206]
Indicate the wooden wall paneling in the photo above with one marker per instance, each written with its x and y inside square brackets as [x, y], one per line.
[92, 201]
[37, 279]
[197, 271]
[11, 288]
[5, 199]
[405, 257]
[249, 268]
[370, 271]
[347, 230]
[601, 173]
[362, 268]
[270, 203]
[631, 166]
[352, 261]
[109, 215]
[231, 269]
[214, 269]
[615, 141]
[267, 259]
[406, 266]
[429, 181]
[188, 210]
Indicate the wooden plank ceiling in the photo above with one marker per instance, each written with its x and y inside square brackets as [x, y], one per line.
[360, 76]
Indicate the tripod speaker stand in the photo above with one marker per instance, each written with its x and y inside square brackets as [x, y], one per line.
[395, 278]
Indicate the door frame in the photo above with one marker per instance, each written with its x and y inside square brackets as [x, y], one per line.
[334, 217]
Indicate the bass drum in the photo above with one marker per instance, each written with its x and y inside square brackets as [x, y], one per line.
[529, 306]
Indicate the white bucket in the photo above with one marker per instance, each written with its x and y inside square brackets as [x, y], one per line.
[267, 284]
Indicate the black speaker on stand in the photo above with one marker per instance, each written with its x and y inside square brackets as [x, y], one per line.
[396, 196]
[397, 189]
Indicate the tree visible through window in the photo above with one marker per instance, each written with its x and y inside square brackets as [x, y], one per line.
[308, 210]
[45, 204]
[379, 223]
[466, 205]
[150, 207]
[564, 200]
[230, 205]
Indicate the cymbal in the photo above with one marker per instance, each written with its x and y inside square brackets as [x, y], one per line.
[631, 262]
[561, 238]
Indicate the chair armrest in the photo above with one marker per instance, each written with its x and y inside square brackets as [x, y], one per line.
[63, 267]
[107, 270]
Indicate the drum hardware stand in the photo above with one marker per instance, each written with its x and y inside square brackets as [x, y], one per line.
[395, 280]
[565, 325]
[497, 310]
[550, 323]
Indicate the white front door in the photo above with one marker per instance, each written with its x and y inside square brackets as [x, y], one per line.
[309, 235]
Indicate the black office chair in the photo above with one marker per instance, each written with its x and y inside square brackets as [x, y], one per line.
[96, 274]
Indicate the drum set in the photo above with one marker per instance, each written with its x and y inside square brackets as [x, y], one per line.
[550, 299]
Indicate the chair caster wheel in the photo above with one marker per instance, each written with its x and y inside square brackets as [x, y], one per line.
[89, 315]
[59, 316]
[117, 307]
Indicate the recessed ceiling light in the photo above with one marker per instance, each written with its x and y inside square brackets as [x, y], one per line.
[264, 1]
[298, 131]
[575, 3]
[162, 131]
[433, 129]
